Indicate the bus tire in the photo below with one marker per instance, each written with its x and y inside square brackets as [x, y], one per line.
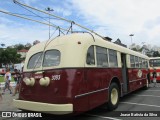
[114, 96]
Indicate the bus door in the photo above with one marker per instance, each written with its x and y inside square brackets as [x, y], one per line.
[124, 73]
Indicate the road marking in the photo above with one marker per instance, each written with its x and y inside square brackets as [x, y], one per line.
[140, 104]
[146, 95]
[18, 110]
[152, 90]
[103, 117]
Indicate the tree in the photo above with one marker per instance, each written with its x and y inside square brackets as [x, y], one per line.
[28, 46]
[156, 54]
[36, 42]
[9, 56]
[19, 46]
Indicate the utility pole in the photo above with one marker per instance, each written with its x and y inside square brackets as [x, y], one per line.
[49, 10]
[131, 37]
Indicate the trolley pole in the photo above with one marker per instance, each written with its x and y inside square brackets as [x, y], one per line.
[49, 10]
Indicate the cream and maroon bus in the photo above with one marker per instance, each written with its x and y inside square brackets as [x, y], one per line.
[77, 72]
[154, 63]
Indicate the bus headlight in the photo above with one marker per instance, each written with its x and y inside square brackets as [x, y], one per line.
[29, 82]
[44, 81]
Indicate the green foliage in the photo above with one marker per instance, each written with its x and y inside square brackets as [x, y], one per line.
[2, 79]
[19, 46]
[156, 54]
[9, 56]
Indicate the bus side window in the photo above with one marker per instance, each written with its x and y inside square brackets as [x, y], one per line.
[143, 63]
[113, 58]
[140, 62]
[146, 62]
[137, 61]
[90, 56]
[102, 57]
[132, 61]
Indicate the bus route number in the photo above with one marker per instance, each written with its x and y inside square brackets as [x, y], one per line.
[56, 77]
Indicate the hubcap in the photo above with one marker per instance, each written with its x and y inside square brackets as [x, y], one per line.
[114, 96]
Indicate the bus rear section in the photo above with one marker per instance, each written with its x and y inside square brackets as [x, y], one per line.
[53, 91]
[154, 64]
[54, 79]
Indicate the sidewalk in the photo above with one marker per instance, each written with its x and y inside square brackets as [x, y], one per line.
[6, 104]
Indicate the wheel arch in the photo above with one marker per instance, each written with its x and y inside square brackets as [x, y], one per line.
[117, 81]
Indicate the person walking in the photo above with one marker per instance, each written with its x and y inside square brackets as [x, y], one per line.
[154, 77]
[0, 95]
[17, 78]
[7, 79]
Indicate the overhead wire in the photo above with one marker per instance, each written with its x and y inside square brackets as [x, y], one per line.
[34, 15]
[16, 2]
[32, 20]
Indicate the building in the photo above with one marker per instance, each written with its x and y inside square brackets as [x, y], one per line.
[118, 42]
[23, 53]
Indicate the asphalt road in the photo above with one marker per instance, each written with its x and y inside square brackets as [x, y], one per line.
[139, 105]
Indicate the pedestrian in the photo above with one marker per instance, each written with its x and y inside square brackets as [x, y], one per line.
[17, 77]
[0, 95]
[7, 79]
[154, 77]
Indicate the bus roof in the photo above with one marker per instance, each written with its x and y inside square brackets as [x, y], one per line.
[154, 58]
[87, 39]
[73, 47]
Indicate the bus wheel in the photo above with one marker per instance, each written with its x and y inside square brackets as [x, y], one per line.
[113, 97]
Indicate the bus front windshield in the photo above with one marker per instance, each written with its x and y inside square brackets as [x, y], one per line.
[154, 63]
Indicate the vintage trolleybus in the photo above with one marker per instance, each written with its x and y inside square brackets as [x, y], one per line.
[154, 63]
[78, 72]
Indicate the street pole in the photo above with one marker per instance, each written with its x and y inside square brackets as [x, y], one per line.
[49, 10]
[131, 37]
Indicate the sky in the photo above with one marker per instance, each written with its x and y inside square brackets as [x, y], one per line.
[112, 18]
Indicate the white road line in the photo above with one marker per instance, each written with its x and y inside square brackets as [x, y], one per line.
[140, 104]
[103, 117]
[18, 110]
[153, 90]
[146, 95]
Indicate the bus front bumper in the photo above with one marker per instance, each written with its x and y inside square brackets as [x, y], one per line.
[57, 109]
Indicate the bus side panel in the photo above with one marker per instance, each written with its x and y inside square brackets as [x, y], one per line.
[158, 74]
[98, 81]
[136, 80]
